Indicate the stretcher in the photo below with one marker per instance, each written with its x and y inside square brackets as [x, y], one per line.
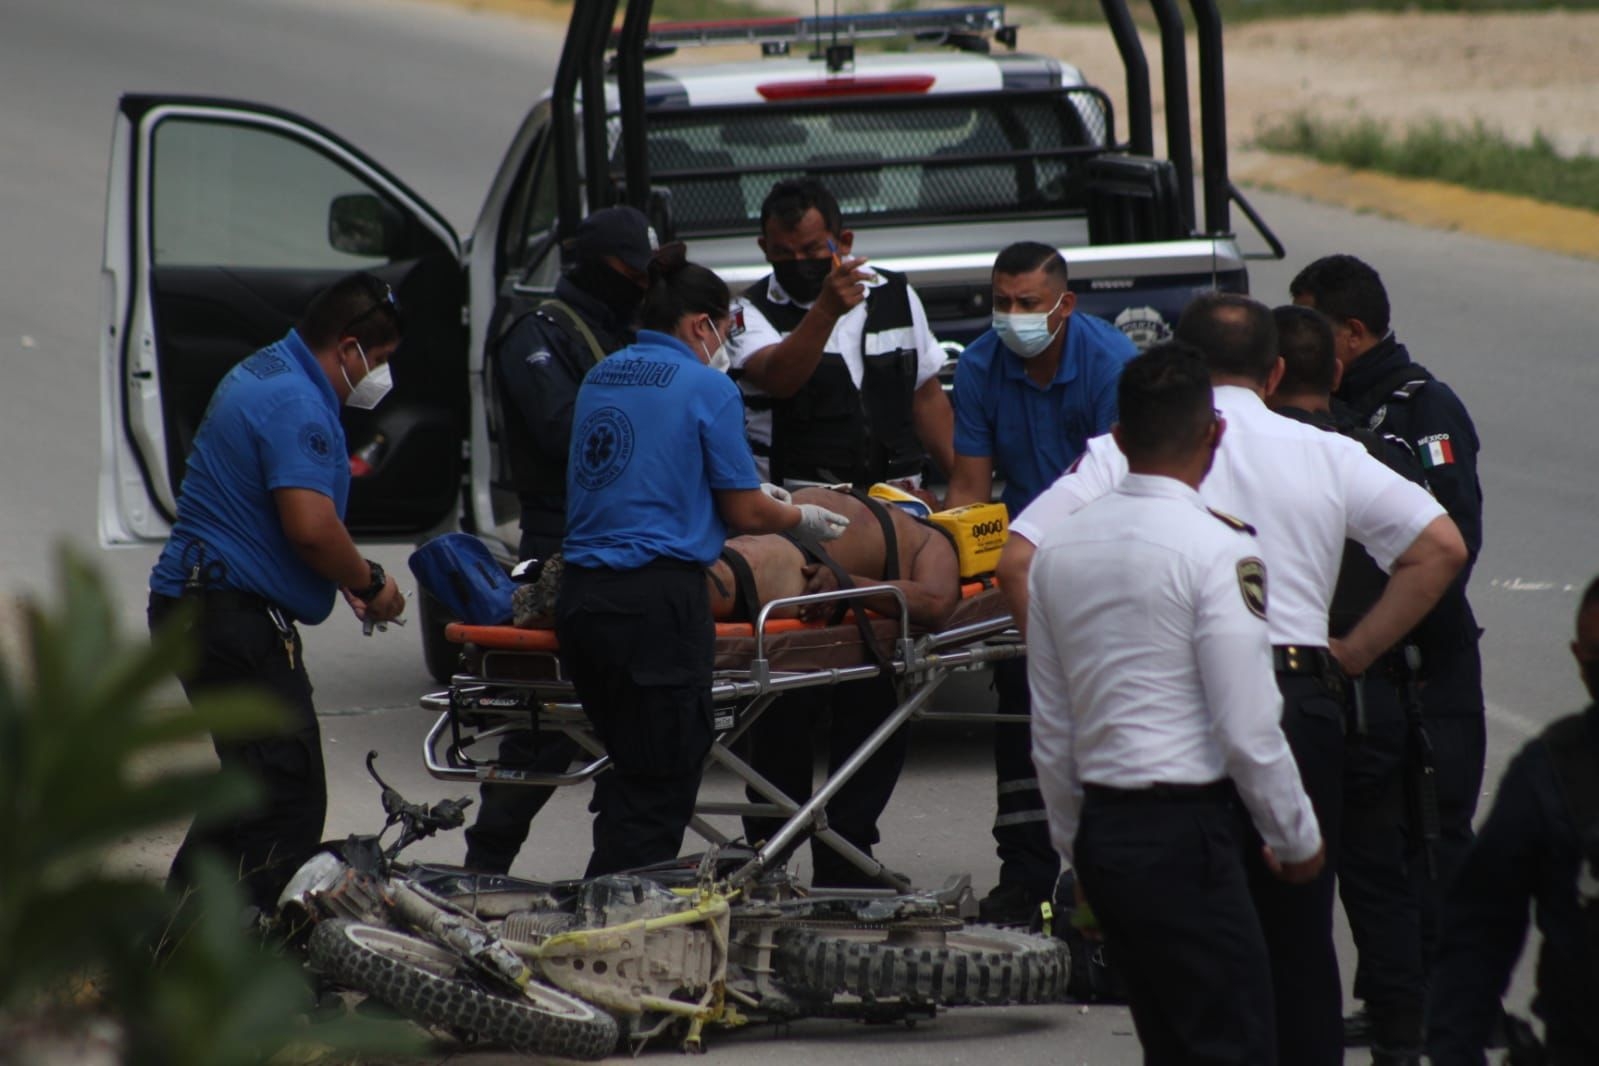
[512, 680]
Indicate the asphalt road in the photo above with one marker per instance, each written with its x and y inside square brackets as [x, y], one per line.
[435, 94]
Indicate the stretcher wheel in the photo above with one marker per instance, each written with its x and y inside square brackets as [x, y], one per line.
[423, 982]
[974, 965]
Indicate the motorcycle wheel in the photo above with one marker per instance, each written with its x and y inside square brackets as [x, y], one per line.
[421, 981]
[924, 964]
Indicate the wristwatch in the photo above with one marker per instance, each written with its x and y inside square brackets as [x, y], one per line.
[379, 579]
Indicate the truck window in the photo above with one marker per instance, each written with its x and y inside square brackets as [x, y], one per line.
[925, 157]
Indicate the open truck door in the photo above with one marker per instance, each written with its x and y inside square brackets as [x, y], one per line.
[223, 219]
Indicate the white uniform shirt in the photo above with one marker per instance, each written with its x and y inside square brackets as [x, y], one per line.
[1148, 665]
[1303, 489]
[846, 340]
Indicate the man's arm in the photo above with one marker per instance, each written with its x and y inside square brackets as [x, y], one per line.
[971, 480]
[1451, 466]
[782, 369]
[935, 424]
[541, 385]
[1233, 650]
[1420, 577]
[1053, 733]
[1096, 473]
[312, 525]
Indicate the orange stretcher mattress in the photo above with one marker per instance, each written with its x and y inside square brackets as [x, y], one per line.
[791, 645]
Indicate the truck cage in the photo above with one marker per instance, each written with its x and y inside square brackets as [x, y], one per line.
[590, 37]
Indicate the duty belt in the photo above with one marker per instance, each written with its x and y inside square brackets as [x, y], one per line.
[1302, 659]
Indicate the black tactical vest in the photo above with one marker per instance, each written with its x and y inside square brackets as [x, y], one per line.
[830, 431]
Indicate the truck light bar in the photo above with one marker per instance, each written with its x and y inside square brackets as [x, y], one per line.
[777, 34]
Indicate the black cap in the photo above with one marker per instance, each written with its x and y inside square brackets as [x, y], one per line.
[621, 231]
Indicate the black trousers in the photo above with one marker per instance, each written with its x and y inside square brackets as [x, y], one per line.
[1374, 877]
[1167, 880]
[505, 812]
[1021, 827]
[1453, 710]
[781, 748]
[240, 646]
[1298, 919]
[639, 645]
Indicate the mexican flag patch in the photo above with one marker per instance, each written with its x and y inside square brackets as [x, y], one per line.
[1437, 452]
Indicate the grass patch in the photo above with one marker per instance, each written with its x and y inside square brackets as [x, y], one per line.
[1471, 155]
[1234, 11]
[691, 10]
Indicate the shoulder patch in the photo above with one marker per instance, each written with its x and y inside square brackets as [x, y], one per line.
[1232, 522]
[317, 445]
[1435, 450]
[266, 364]
[1252, 584]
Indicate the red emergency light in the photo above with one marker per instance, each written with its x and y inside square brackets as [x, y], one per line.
[870, 85]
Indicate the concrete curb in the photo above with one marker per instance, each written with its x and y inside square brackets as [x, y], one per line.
[1515, 219]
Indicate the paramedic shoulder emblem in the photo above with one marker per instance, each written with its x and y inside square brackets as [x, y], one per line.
[604, 448]
[1252, 583]
[317, 445]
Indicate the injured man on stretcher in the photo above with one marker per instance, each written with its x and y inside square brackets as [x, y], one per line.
[883, 545]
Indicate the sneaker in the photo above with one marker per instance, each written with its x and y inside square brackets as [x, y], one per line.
[1008, 904]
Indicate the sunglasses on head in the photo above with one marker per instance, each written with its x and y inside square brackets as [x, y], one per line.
[381, 301]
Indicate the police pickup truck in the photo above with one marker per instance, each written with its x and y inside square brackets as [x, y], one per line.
[942, 143]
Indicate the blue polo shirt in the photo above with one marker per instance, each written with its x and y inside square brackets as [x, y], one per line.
[273, 423]
[1033, 434]
[654, 433]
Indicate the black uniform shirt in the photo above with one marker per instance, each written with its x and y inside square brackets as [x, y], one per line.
[1433, 421]
[538, 367]
[1526, 852]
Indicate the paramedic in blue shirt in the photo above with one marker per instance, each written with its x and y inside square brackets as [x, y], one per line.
[260, 545]
[659, 475]
[1029, 394]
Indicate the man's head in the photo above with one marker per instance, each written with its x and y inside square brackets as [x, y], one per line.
[801, 230]
[1237, 336]
[1031, 300]
[1586, 647]
[612, 250]
[1167, 423]
[1310, 362]
[353, 327]
[1351, 294]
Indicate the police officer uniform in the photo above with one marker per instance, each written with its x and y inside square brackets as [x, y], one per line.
[1154, 714]
[1032, 434]
[1374, 880]
[655, 433]
[1528, 850]
[273, 423]
[1305, 491]
[1392, 394]
[852, 421]
[538, 365]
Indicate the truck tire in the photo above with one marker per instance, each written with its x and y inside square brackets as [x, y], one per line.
[977, 965]
[442, 658]
[419, 980]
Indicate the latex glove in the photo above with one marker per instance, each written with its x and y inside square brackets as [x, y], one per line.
[776, 492]
[821, 523]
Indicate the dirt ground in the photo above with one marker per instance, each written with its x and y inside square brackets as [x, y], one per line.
[1518, 73]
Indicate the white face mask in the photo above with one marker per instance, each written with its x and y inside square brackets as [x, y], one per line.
[717, 360]
[370, 390]
[1027, 334]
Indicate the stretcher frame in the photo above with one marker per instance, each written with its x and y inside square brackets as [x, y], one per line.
[481, 706]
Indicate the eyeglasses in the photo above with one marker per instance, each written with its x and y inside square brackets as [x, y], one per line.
[381, 301]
